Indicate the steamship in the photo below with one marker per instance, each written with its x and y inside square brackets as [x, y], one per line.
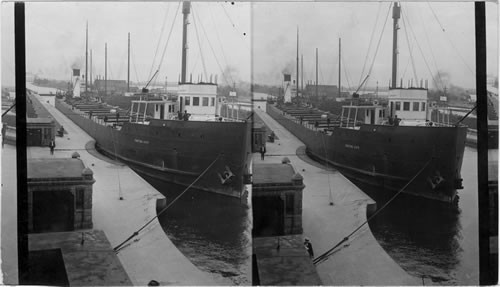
[185, 141]
[396, 147]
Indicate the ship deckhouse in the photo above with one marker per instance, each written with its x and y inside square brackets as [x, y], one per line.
[408, 104]
[198, 100]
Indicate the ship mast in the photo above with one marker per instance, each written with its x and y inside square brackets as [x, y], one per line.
[396, 11]
[316, 73]
[86, 54]
[297, 75]
[128, 70]
[105, 68]
[186, 7]
[302, 72]
[90, 70]
[340, 89]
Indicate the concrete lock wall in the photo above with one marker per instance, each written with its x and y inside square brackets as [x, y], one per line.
[307, 136]
[86, 124]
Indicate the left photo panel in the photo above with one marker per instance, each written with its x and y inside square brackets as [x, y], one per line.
[126, 143]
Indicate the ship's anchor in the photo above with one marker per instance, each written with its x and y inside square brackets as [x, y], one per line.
[226, 176]
[435, 180]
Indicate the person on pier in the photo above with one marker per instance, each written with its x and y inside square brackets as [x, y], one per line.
[309, 248]
[186, 116]
[52, 146]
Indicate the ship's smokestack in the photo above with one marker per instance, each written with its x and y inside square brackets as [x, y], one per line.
[396, 11]
[186, 8]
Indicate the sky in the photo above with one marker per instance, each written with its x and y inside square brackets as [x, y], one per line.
[254, 38]
[321, 24]
[55, 39]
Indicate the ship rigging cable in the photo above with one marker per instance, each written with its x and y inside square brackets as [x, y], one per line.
[430, 49]
[325, 256]
[410, 51]
[120, 194]
[370, 44]
[420, 48]
[328, 171]
[199, 44]
[135, 68]
[347, 75]
[159, 40]
[218, 37]
[136, 233]
[378, 45]
[449, 40]
[168, 39]
[215, 56]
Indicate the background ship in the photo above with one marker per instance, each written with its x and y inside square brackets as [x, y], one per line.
[390, 146]
[204, 149]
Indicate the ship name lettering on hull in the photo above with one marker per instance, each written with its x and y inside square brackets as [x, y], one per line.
[352, 146]
[141, 141]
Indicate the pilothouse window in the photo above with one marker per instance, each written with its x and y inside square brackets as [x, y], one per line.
[415, 106]
[196, 101]
[188, 101]
[205, 101]
[212, 102]
[398, 106]
[406, 106]
[423, 106]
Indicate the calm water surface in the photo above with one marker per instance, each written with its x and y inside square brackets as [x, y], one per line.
[432, 242]
[212, 231]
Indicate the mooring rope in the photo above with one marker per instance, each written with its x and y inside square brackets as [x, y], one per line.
[328, 170]
[119, 246]
[323, 257]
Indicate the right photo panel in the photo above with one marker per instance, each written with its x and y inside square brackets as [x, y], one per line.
[371, 124]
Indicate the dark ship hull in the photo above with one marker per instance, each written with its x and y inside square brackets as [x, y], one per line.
[177, 151]
[390, 156]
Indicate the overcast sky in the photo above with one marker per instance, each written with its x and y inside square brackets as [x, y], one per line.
[233, 35]
[321, 24]
[55, 39]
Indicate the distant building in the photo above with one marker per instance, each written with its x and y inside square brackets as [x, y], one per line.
[324, 91]
[111, 85]
[40, 131]
[59, 195]
[258, 137]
